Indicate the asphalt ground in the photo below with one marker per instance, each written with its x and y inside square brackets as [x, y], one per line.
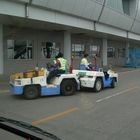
[112, 114]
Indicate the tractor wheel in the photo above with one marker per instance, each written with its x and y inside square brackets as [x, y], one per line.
[68, 87]
[98, 85]
[113, 83]
[31, 92]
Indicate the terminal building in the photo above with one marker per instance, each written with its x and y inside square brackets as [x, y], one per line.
[32, 32]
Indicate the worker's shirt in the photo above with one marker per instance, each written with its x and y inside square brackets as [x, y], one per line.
[63, 63]
[84, 62]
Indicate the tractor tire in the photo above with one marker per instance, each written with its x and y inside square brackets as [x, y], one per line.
[31, 92]
[113, 83]
[68, 87]
[98, 85]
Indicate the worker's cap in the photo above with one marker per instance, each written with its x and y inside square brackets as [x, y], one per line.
[85, 55]
[60, 54]
[56, 57]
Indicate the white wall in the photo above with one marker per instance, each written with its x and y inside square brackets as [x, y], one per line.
[12, 8]
[80, 14]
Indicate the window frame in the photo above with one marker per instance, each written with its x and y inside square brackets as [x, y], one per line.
[113, 52]
[42, 56]
[82, 47]
[13, 49]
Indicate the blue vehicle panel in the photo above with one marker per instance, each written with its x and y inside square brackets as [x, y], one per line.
[17, 90]
[107, 81]
[50, 91]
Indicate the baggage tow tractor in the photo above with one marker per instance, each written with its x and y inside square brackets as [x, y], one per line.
[97, 79]
[32, 84]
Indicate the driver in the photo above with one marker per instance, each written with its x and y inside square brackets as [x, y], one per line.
[59, 67]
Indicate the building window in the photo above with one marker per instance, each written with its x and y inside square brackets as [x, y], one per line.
[110, 52]
[49, 49]
[126, 6]
[115, 4]
[121, 52]
[94, 50]
[78, 50]
[19, 49]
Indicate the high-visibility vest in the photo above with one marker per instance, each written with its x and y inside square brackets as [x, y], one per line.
[62, 63]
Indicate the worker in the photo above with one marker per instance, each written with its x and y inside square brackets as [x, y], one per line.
[63, 63]
[61, 67]
[95, 68]
[84, 64]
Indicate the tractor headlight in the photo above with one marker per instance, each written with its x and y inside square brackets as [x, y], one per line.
[17, 82]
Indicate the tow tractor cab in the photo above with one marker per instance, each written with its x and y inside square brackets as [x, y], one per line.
[32, 84]
[97, 79]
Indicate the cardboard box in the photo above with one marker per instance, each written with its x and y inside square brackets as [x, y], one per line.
[40, 73]
[16, 76]
[29, 74]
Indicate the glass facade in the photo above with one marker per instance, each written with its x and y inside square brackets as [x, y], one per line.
[111, 52]
[121, 52]
[126, 4]
[49, 49]
[19, 49]
[78, 50]
[94, 50]
[115, 4]
[122, 6]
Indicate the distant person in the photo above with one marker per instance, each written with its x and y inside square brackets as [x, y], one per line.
[95, 67]
[84, 64]
[61, 64]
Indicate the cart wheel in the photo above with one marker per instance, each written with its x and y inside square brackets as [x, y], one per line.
[31, 92]
[98, 85]
[113, 83]
[68, 87]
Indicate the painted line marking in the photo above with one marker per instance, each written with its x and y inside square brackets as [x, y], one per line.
[116, 94]
[52, 117]
[4, 91]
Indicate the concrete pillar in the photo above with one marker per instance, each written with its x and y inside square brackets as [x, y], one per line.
[104, 52]
[127, 52]
[67, 46]
[1, 49]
